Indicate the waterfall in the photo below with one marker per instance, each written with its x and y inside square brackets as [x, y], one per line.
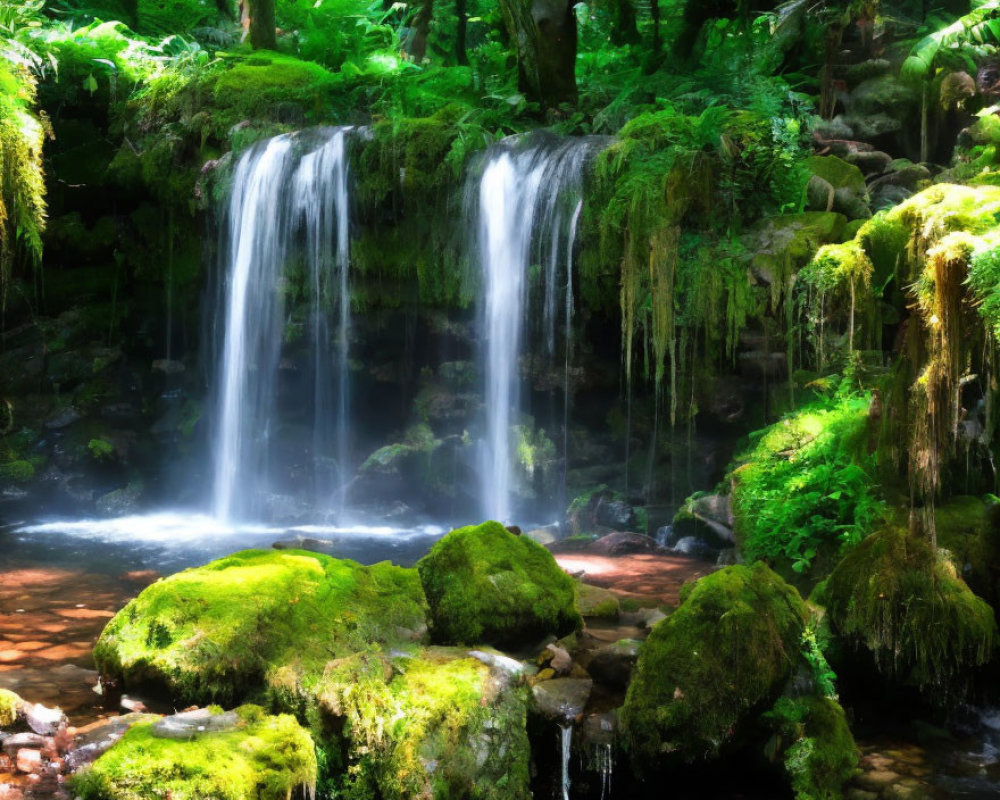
[566, 745]
[528, 198]
[288, 206]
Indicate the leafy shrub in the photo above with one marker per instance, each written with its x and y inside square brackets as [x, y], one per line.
[805, 487]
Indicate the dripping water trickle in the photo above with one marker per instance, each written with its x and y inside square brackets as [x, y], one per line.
[566, 745]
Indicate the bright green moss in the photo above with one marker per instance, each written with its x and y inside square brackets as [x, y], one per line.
[724, 655]
[257, 621]
[484, 584]
[904, 604]
[416, 727]
[967, 528]
[9, 705]
[594, 602]
[265, 758]
[804, 490]
[253, 82]
[818, 750]
[18, 471]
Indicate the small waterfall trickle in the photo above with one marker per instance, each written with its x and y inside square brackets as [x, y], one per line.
[289, 201]
[566, 748]
[528, 198]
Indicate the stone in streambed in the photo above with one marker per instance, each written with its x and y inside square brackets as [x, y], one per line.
[562, 699]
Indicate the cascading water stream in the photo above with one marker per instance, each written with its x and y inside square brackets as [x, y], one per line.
[566, 748]
[528, 199]
[289, 199]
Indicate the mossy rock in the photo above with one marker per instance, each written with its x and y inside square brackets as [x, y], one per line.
[10, 704]
[257, 622]
[904, 604]
[814, 742]
[967, 527]
[265, 758]
[783, 245]
[20, 471]
[707, 670]
[485, 584]
[593, 602]
[428, 723]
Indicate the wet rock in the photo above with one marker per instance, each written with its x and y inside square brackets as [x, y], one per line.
[63, 418]
[615, 514]
[613, 665]
[190, 724]
[543, 536]
[499, 662]
[97, 738]
[877, 780]
[8, 792]
[622, 543]
[168, 366]
[557, 658]
[121, 502]
[868, 70]
[19, 741]
[873, 162]
[594, 602]
[29, 761]
[883, 95]
[40, 719]
[562, 698]
[728, 557]
[695, 547]
[303, 543]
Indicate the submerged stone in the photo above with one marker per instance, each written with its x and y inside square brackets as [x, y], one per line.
[484, 584]
[264, 758]
[710, 667]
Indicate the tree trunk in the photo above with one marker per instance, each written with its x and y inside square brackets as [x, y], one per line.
[461, 11]
[624, 29]
[262, 28]
[544, 36]
[422, 27]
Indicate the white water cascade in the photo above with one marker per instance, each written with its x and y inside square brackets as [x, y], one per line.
[289, 205]
[528, 199]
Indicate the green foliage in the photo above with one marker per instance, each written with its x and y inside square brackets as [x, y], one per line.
[905, 604]
[265, 758]
[22, 184]
[101, 449]
[804, 490]
[966, 38]
[816, 746]
[256, 623]
[485, 584]
[722, 657]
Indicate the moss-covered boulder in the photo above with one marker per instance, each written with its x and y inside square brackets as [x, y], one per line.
[813, 741]
[712, 666]
[905, 605]
[485, 584]
[428, 723]
[969, 529]
[264, 758]
[10, 705]
[257, 621]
